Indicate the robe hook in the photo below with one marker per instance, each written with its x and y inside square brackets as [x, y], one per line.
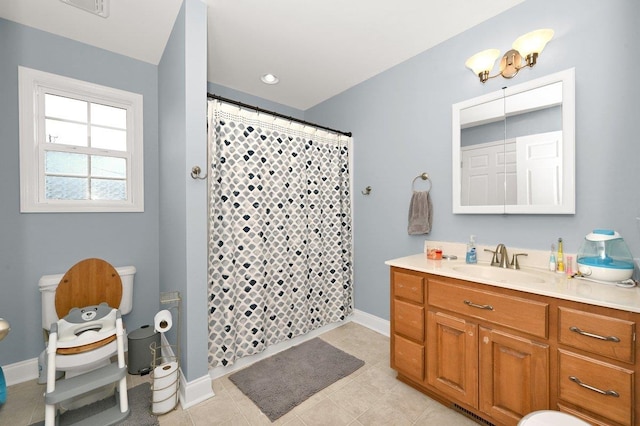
[195, 173]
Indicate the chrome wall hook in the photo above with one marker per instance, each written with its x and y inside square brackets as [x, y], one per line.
[195, 173]
[366, 191]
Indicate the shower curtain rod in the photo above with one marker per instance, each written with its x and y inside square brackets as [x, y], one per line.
[266, 111]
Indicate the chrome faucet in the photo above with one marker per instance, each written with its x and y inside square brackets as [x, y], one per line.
[501, 257]
[501, 249]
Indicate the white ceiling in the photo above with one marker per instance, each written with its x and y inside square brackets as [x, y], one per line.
[318, 48]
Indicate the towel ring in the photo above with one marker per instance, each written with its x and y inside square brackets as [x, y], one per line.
[423, 176]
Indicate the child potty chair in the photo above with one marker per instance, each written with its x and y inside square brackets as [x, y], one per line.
[550, 418]
[88, 333]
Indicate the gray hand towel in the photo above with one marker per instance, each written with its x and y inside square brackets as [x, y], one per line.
[420, 213]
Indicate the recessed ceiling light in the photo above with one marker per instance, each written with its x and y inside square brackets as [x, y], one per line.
[269, 79]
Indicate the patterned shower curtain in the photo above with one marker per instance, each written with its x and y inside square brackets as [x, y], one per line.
[280, 236]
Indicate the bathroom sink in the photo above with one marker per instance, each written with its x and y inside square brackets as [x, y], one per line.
[495, 273]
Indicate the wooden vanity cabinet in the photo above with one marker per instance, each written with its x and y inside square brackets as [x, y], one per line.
[501, 354]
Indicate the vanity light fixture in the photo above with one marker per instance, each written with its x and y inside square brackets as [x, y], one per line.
[269, 79]
[526, 47]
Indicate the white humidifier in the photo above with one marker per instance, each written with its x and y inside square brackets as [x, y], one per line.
[604, 256]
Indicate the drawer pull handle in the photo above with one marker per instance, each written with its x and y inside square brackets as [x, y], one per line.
[474, 305]
[595, 336]
[600, 391]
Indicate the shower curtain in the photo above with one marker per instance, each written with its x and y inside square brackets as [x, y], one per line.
[280, 233]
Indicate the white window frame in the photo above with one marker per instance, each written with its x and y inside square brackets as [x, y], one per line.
[32, 86]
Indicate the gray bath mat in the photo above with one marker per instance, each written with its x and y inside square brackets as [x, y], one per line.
[283, 381]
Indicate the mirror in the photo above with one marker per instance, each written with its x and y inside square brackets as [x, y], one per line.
[513, 150]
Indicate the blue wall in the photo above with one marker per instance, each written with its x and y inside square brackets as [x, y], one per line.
[36, 244]
[183, 201]
[401, 120]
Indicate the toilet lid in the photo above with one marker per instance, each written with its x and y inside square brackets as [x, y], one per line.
[88, 282]
[550, 418]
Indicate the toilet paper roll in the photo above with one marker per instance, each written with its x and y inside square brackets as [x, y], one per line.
[165, 387]
[162, 322]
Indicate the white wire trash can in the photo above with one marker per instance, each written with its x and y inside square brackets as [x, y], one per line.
[165, 368]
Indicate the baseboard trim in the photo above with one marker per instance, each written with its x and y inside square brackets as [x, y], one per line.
[195, 391]
[373, 322]
[21, 371]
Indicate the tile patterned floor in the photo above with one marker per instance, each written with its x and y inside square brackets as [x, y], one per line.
[369, 396]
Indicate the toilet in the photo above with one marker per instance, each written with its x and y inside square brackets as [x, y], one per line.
[550, 418]
[89, 282]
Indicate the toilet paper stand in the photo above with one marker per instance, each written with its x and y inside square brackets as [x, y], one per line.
[165, 360]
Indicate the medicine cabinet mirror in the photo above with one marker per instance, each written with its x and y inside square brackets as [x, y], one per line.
[513, 150]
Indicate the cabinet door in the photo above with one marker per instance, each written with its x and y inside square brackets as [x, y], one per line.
[452, 357]
[514, 376]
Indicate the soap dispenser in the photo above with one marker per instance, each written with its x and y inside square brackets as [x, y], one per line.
[471, 256]
[552, 259]
[560, 258]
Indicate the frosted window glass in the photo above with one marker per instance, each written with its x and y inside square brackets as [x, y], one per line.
[63, 132]
[65, 108]
[108, 116]
[108, 139]
[108, 167]
[65, 163]
[66, 188]
[105, 189]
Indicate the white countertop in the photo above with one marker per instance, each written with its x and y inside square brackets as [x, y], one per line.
[555, 284]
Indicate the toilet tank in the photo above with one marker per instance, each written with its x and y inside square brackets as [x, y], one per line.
[48, 284]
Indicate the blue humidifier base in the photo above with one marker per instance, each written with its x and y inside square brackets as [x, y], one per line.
[3, 388]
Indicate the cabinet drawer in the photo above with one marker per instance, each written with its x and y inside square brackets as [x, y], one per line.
[408, 286]
[602, 335]
[408, 358]
[582, 416]
[408, 320]
[589, 383]
[513, 312]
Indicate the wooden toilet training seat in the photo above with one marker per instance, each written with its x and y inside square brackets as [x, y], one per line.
[89, 282]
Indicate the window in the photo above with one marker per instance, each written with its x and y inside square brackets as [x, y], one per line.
[80, 146]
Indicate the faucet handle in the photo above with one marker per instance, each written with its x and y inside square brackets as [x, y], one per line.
[514, 260]
[494, 259]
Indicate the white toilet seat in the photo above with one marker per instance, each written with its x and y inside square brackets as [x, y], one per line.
[550, 418]
[71, 335]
